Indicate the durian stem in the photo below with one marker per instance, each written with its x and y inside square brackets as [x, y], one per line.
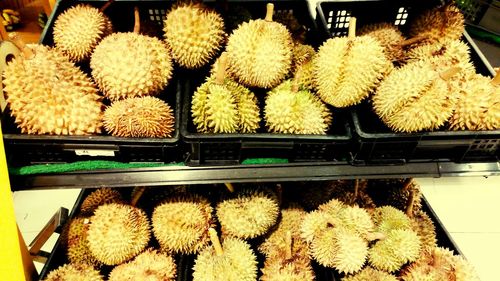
[414, 40]
[295, 83]
[352, 28]
[229, 186]
[269, 12]
[450, 72]
[215, 241]
[407, 183]
[103, 8]
[289, 244]
[372, 236]
[220, 72]
[16, 39]
[496, 79]
[356, 189]
[137, 195]
[411, 203]
[137, 18]
[279, 191]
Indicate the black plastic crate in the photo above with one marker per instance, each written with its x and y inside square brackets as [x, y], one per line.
[235, 148]
[375, 142]
[24, 149]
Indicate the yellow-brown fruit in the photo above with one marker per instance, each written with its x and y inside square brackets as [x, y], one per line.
[260, 53]
[414, 98]
[445, 54]
[347, 70]
[357, 220]
[117, 233]
[99, 197]
[438, 264]
[301, 54]
[304, 75]
[313, 194]
[47, 94]
[225, 108]
[78, 251]
[387, 218]
[424, 227]
[396, 249]
[341, 249]
[194, 33]
[150, 265]
[389, 36]
[370, 274]
[128, 65]
[79, 29]
[315, 223]
[295, 112]
[291, 220]
[250, 214]
[441, 23]
[478, 106]
[286, 265]
[141, 117]
[180, 224]
[238, 262]
[74, 272]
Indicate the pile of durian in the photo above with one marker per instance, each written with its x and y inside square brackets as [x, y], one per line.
[354, 229]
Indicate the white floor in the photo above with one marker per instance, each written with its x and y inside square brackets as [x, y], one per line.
[468, 207]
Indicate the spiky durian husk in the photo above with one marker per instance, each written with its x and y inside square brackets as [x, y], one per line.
[128, 65]
[313, 194]
[387, 218]
[478, 106]
[287, 18]
[424, 227]
[74, 272]
[287, 271]
[194, 33]
[414, 98]
[153, 197]
[117, 233]
[143, 117]
[77, 247]
[305, 76]
[398, 196]
[149, 265]
[222, 113]
[79, 29]
[439, 264]
[301, 54]
[389, 36]
[259, 53]
[248, 107]
[291, 220]
[341, 249]
[399, 247]
[314, 223]
[298, 112]
[99, 197]
[357, 220]
[47, 94]
[347, 70]
[180, 224]
[370, 274]
[238, 262]
[441, 23]
[250, 214]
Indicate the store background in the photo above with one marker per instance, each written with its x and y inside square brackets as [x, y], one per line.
[469, 207]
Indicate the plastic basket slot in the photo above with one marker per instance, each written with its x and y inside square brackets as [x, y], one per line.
[338, 22]
[145, 157]
[311, 151]
[472, 9]
[401, 16]
[485, 146]
[216, 151]
[157, 15]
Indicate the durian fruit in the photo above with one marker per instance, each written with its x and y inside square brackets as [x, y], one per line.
[313, 194]
[355, 194]
[117, 233]
[387, 218]
[415, 97]
[77, 246]
[249, 213]
[180, 224]
[78, 30]
[389, 36]
[128, 65]
[301, 54]
[302, 66]
[74, 272]
[315, 223]
[99, 197]
[347, 69]
[424, 227]
[260, 52]
[370, 274]
[149, 265]
[440, 23]
[220, 105]
[305, 76]
[290, 110]
[397, 248]
[142, 117]
[398, 193]
[233, 260]
[478, 106]
[194, 33]
[439, 264]
[47, 94]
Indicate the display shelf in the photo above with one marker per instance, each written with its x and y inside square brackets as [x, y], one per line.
[170, 175]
